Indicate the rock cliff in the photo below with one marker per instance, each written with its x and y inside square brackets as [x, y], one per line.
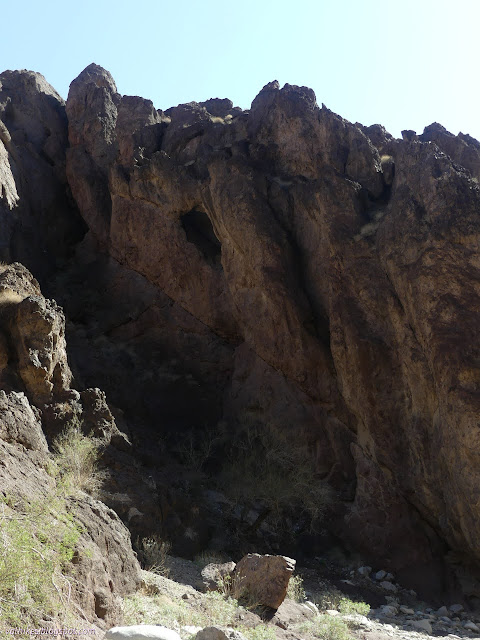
[279, 267]
[36, 400]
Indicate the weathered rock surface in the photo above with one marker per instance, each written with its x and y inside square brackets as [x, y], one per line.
[35, 377]
[219, 633]
[215, 576]
[283, 267]
[39, 220]
[263, 579]
[105, 566]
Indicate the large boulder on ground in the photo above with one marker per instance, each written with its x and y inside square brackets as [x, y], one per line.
[217, 576]
[219, 633]
[263, 579]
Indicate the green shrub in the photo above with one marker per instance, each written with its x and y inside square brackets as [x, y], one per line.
[295, 589]
[37, 543]
[326, 628]
[213, 609]
[260, 632]
[38, 537]
[269, 473]
[347, 607]
[155, 553]
[210, 557]
[75, 461]
[327, 597]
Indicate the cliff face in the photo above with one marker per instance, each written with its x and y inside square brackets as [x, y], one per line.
[284, 267]
[36, 400]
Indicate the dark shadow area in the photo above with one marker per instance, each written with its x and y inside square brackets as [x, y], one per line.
[199, 231]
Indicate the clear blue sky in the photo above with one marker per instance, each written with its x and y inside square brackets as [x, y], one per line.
[401, 63]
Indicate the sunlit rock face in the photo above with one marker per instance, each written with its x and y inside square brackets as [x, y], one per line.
[284, 267]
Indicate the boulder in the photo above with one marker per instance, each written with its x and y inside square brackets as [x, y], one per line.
[291, 613]
[263, 579]
[423, 625]
[219, 633]
[218, 576]
[141, 632]
[20, 423]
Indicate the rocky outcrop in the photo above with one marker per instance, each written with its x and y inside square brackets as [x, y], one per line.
[283, 268]
[39, 220]
[104, 566]
[306, 247]
[36, 400]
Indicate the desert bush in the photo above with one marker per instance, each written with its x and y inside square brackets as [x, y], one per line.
[210, 557]
[268, 473]
[155, 553]
[196, 448]
[260, 632]
[326, 627]
[37, 543]
[327, 597]
[219, 609]
[347, 607]
[295, 589]
[75, 460]
[160, 609]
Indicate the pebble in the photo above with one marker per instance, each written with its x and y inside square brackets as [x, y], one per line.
[424, 625]
[456, 608]
[388, 610]
[380, 575]
[443, 611]
[388, 586]
[406, 610]
[471, 626]
[364, 571]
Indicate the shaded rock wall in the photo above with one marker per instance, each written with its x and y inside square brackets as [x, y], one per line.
[39, 219]
[284, 266]
[35, 400]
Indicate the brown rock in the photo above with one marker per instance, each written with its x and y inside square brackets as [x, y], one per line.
[320, 272]
[218, 577]
[274, 268]
[263, 579]
[219, 633]
[20, 423]
[462, 149]
[291, 613]
[105, 567]
[39, 220]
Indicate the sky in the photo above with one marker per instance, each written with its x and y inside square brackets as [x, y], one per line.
[403, 64]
